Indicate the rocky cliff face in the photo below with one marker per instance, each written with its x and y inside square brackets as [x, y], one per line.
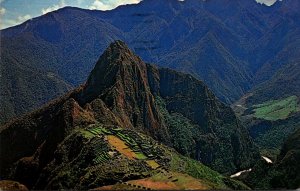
[219, 140]
[120, 80]
[122, 91]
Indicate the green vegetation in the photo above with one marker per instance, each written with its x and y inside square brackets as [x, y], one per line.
[182, 131]
[140, 156]
[198, 170]
[141, 150]
[277, 109]
[87, 134]
[284, 83]
[198, 142]
[86, 159]
[271, 122]
[96, 130]
[284, 173]
[156, 156]
[102, 156]
[271, 141]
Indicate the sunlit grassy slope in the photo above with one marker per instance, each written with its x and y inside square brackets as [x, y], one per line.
[277, 109]
[168, 169]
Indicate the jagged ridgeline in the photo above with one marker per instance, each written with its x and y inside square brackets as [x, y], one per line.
[107, 131]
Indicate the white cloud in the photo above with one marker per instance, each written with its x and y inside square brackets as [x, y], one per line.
[110, 4]
[267, 2]
[2, 11]
[12, 22]
[54, 7]
[23, 18]
[79, 2]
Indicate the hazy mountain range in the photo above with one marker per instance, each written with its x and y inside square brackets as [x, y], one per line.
[171, 94]
[228, 45]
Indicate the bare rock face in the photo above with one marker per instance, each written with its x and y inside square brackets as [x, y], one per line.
[122, 91]
[120, 80]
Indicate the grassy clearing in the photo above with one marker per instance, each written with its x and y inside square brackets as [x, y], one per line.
[121, 147]
[277, 109]
[87, 134]
[152, 164]
[140, 156]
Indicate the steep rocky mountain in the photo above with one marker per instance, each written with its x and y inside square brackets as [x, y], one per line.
[284, 173]
[110, 120]
[230, 45]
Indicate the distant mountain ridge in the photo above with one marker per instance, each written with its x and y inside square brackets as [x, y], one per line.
[224, 43]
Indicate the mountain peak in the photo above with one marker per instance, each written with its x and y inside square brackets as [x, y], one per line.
[115, 60]
[118, 45]
[120, 80]
[119, 52]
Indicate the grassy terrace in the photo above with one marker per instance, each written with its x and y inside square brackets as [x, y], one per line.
[126, 143]
[277, 109]
[169, 169]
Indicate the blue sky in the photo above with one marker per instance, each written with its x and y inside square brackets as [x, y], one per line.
[13, 12]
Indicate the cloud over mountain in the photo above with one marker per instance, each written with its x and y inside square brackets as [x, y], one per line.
[110, 4]
[267, 2]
